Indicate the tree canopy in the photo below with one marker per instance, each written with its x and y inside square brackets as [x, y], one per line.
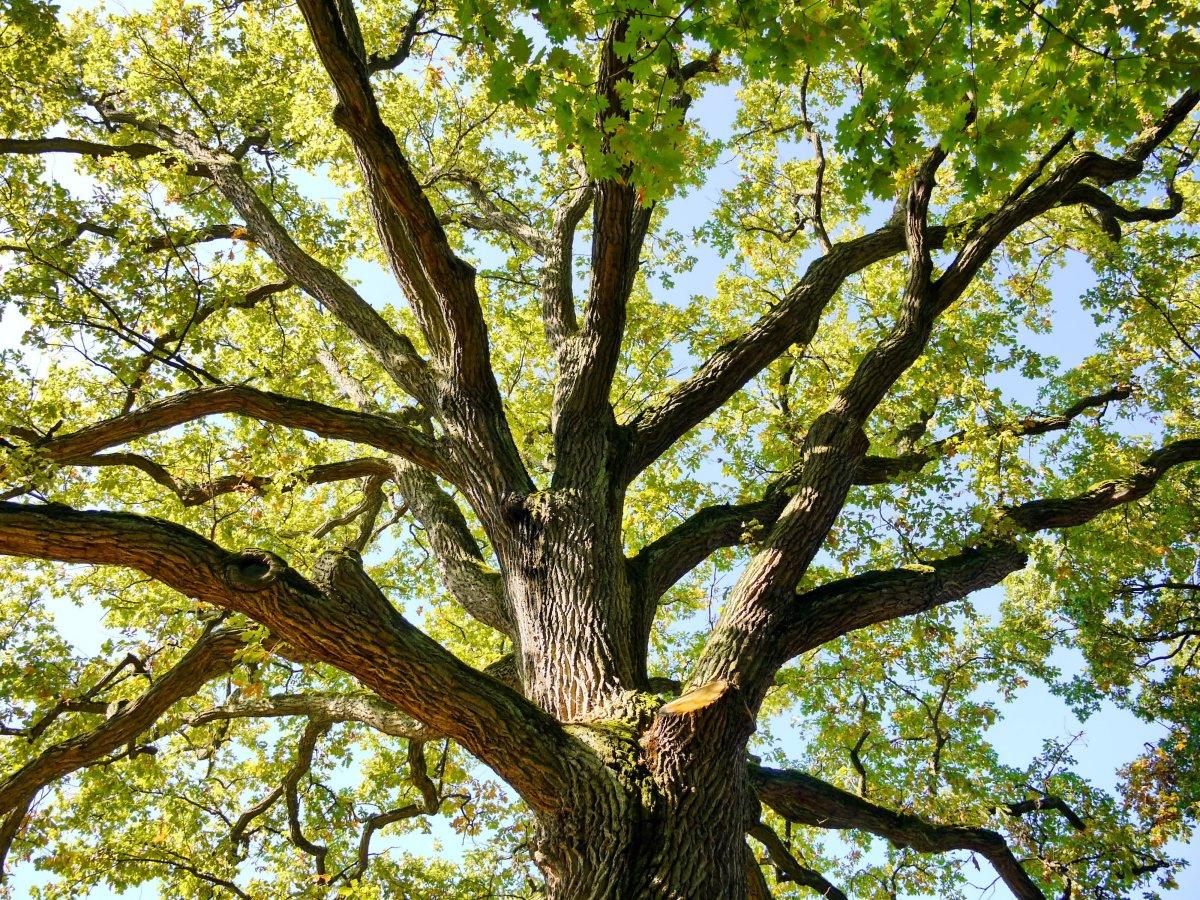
[435, 464]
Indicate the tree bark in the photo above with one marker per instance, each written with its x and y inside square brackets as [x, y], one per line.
[672, 824]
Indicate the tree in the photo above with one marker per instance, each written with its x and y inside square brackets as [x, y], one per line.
[638, 530]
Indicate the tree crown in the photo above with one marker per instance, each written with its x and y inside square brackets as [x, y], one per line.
[757, 301]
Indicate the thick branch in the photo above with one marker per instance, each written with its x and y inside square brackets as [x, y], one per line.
[39, 146]
[291, 412]
[824, 613]
[420, 254]
[1055, 190]
[393, 350]
[450, 278]
[489, 217]
[1111, 214]
[793, 320]
[346, 622]
[1037, 515]
[810, 801]
[476, 587]
[377, 63]
[664, 561]
[473, 585]
[1046, 802]
[619, 224]
[558, 295]
[741, 643]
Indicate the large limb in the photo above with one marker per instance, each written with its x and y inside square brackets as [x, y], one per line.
[661, 563]
[420, 251]
[807, 800]
[341, 618]
[327, 421]
[824, 613]
[749, 623]
[429, 261]
[588, 359]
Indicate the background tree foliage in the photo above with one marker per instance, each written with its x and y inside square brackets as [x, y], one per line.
[185, 214]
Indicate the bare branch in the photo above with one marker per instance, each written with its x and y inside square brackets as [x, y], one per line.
[178, 863]
[314, 730]
[198, 493]
[818, 191]
[1046, 802]
[377, 63]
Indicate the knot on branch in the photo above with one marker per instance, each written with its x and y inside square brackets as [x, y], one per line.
[253, 570]
[340, 576]
[339, 571]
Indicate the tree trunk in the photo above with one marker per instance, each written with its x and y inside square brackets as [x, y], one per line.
[668, 819]
[564, 568]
